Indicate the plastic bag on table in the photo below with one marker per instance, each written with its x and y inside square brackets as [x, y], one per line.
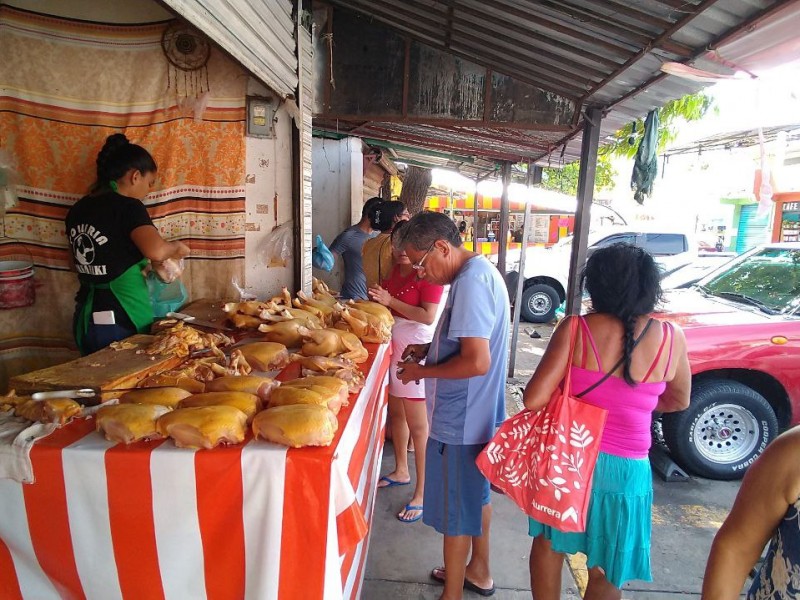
[244, 294]
[322, 257]
[276, 249]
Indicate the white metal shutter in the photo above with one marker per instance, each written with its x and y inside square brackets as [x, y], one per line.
[306, 105]
[257, 33]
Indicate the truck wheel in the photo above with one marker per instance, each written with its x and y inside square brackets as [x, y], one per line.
[539, 303]
[726, 427]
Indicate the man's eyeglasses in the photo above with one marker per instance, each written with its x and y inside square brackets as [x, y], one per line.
[419, 265]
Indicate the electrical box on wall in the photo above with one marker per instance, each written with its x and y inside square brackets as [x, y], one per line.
[261, 116]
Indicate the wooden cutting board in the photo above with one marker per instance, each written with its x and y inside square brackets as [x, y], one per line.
[106, 369]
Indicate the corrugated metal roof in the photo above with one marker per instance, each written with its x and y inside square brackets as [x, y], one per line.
[257, 33]
[601, 52]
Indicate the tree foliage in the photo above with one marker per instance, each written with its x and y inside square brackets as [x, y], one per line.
[670, 116]
[625, 142]
[565, 180]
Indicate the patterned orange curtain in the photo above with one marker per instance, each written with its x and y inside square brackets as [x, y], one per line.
[66, 86]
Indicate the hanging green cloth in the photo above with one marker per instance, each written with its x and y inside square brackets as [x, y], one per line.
[645, 167]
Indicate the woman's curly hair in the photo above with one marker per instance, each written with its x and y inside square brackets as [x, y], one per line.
[624, 281]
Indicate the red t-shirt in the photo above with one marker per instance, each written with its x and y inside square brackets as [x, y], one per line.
[411, 290]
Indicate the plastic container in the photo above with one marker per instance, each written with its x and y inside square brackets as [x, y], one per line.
[17, 291]
[165, 297]
[15, 268]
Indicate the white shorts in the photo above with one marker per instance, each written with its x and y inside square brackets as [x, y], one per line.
[405, 333]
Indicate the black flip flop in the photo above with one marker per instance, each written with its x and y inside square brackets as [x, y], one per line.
[468, 585]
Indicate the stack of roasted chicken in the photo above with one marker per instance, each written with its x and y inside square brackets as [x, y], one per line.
[213, 399]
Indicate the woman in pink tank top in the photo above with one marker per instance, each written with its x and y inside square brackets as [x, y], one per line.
[631, 365]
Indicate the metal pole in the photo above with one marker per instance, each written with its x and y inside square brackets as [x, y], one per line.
[475, 218]
[502, 237]
[588, 167]
[526, 225]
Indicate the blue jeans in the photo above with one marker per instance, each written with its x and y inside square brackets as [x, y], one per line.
[100, 336]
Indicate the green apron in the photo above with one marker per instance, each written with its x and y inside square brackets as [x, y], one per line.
[131, 292]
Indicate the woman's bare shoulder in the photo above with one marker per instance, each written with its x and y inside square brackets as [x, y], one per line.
[780, 460]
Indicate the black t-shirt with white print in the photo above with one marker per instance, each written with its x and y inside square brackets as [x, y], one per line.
[99, 233]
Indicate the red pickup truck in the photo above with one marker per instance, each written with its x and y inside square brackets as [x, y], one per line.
[742, 329]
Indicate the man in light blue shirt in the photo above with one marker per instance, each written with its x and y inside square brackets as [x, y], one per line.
[465, 368]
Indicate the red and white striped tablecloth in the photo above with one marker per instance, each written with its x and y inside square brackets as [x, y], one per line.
[151, 521]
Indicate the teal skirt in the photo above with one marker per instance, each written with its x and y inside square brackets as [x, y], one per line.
[617, 536]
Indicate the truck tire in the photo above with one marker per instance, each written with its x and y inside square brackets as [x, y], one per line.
[539, 303]
[726, 427]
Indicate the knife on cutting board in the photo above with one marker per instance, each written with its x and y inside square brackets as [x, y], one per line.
[189, 319]
[83, 396]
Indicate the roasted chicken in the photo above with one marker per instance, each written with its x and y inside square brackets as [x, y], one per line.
[165, 396]
[285, 298]
[265, 356]
[341, 368]
[318, 383]
[128, 423]
[252, 308]
[296, 425]
[55, 410]
[286, 395]
[287, 314]
[241, 321]
[373, 308]
[191, 375]
[328, 314]
[252, 384]
[249, 404]
[181, 340]
[203, 426]
[368, 327]
[332, 342]
[11, 400]
[285, 332]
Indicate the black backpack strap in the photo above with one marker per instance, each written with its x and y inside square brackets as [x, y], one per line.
[617, 365]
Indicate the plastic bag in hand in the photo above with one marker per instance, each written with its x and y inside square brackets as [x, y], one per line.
[321, 257]
[169, 270]
[276, 249]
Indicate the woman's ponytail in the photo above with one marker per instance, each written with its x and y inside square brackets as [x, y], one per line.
[629, 326]
[118, 156]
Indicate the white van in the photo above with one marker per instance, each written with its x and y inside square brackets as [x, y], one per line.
[547, 269]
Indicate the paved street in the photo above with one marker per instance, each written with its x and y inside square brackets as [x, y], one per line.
[686, 515]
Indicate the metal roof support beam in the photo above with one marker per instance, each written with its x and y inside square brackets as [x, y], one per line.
[502, 235]
[580, 236]
[747, 25]
[517, 300]
[664, 37]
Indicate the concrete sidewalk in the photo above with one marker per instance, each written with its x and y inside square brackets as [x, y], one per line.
[401, 555]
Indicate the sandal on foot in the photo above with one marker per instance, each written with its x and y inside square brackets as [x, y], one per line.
[437, 575]
[412, 519]
[391, 482]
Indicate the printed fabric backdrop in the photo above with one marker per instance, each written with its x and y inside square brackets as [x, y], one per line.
[65, 86]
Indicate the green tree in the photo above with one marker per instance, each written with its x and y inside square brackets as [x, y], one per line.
[625, 142]
[565, 179]
[670, 116]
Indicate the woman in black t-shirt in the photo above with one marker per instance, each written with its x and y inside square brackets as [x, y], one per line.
[112, 237]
